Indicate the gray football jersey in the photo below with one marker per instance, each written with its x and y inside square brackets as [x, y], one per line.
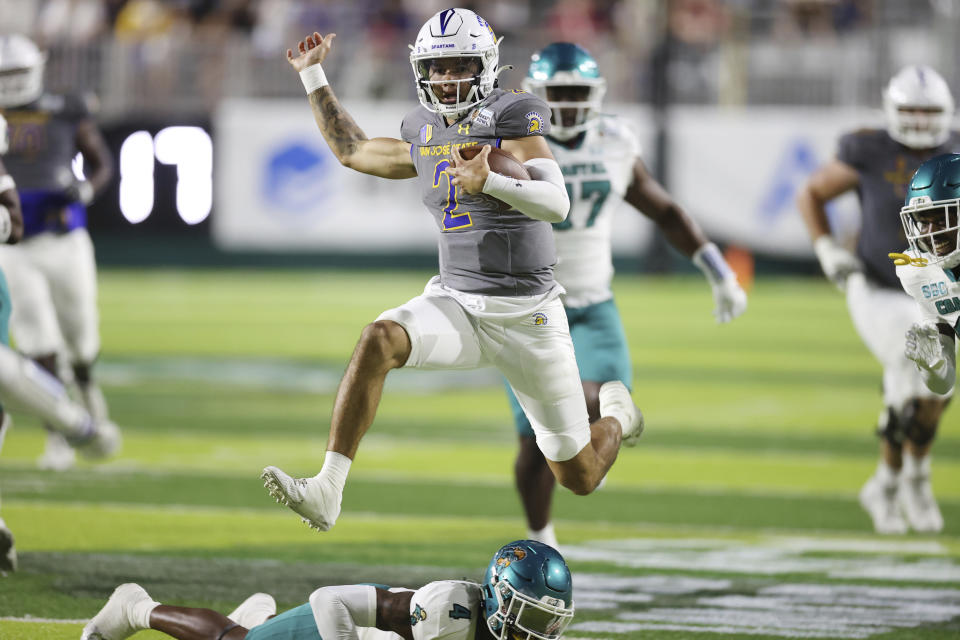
[42, 141]
[885, 167]
[485, 246]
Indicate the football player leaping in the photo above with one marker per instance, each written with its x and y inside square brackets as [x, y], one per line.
[527, 592]
[878, 164]
[600, 159]
[929, 272]
[52, 273]
[25, 384]
[495, 301]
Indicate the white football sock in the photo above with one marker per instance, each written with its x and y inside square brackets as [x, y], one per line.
[886, 474]
[546, 535]
[140, 613]
[335, 468]
[914, 466]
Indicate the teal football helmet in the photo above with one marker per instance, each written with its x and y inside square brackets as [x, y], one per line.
[567, 78]
[931, 210]
[527, 592]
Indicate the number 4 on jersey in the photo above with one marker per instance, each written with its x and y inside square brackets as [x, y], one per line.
[460, 612]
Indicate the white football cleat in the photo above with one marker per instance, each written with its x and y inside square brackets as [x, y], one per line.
[8, 554]
[879, 500]
[115, 619]
[317, 504]
[254, 610]
[915, 497]
[615, 401]
[57, 455]
[102, 443]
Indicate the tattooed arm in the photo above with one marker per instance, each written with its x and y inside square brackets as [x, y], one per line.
[384, 157]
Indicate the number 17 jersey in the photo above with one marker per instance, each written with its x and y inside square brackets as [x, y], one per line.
[597, 172]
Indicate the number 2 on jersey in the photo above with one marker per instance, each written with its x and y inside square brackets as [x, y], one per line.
[451, 219]
[594, 190]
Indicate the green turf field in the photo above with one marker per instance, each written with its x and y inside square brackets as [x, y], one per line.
[735, 517]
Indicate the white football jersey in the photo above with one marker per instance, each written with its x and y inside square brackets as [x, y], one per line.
[443, 610]
[935, 289]
[597, 174]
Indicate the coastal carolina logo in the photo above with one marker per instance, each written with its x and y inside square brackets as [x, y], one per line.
[426, 133]
[534, 122]
[539, 319]
[417, 615]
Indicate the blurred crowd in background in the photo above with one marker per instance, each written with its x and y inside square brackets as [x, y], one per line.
[183, 56]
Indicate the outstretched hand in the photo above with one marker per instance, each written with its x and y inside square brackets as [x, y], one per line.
[922, 345]
[470, 175]
[313, 50]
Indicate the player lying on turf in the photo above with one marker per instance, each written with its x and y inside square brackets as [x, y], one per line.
[26, 385]
[929, 272]
[602, 167]
[877, 164]
[495, 302]
[526, 594]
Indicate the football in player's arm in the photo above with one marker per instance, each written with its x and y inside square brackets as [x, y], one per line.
[930, 269]
[527, 592]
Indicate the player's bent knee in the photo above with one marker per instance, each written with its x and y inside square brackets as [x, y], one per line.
[385, 342]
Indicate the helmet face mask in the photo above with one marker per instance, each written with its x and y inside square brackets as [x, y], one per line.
[566, 77]
[919, 108]
[450, 81]
[932, 229]
[931, 213]
[21, 71]
[527, 593]
[455, 34]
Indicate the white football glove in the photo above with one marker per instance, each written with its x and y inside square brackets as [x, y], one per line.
[837, 263]
[935, 355]
[729, 299]
[923, 346]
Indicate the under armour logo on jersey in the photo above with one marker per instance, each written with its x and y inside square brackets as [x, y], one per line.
[445, 17]
[463, 129]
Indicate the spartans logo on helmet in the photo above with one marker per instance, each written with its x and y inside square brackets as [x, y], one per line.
[455, 62]
[919, 107]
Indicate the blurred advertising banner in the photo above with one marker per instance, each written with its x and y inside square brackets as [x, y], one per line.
[277, 186]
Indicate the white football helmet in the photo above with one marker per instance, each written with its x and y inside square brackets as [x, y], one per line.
[919, 107]
[455, 33]
[21, 70]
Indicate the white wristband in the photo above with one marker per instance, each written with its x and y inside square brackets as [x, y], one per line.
[710, 261]
[313, 78]
[6, 224]
[7, 183]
